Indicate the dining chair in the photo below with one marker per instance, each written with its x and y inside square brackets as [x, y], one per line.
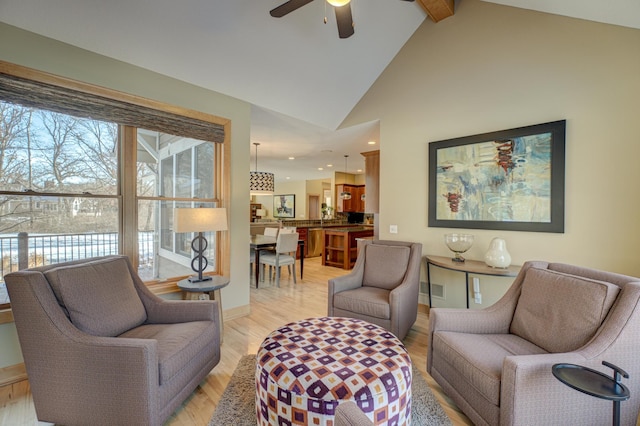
[288, 230]
[271, 232]
[285, 255]
[283, 230]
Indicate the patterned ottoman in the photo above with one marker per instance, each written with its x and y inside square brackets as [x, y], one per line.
[304, 369]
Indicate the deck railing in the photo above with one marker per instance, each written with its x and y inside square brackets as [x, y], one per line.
[27, 251]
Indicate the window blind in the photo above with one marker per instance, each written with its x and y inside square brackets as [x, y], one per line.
[51, 97]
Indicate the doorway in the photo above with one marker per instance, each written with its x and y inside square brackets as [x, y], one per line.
[314, 207]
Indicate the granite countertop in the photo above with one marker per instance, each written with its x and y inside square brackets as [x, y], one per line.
[356, 228]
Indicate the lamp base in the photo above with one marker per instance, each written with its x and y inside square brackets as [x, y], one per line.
[196, 279]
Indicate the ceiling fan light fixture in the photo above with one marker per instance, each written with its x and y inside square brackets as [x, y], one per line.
[338, 3]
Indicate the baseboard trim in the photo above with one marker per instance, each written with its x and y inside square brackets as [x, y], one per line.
[12, 374]
[237, 312]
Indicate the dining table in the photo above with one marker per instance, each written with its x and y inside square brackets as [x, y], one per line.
[261, 242]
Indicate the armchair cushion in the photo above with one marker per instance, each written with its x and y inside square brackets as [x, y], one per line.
[561, 312]
[482, 367]
[99, 297]
[177, 343]
[385, 265]
[371, 301]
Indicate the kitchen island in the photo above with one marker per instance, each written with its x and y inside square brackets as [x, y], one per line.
[340, 245]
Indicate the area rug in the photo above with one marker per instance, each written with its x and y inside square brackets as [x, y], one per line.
[237, 403]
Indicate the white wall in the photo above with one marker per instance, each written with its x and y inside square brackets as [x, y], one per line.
[493, 67]
[27, 49]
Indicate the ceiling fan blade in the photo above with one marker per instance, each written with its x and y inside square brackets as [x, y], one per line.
[288, 7]
[344, 20]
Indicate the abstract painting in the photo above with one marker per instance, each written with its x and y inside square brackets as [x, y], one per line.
[507, 180]
[284, 205]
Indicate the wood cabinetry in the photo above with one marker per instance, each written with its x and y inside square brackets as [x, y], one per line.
[353, 204]
[253, 207]
[340, 246]
[303, 234]
[372, 181]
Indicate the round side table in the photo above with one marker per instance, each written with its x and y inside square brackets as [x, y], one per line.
[595, 383]
[211, 287]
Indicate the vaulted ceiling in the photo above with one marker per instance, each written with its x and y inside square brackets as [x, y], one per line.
[301, 79]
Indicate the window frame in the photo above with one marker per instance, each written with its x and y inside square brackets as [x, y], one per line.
[127, 189]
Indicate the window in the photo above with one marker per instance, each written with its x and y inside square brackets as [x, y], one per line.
[172, 172]
[85, 175]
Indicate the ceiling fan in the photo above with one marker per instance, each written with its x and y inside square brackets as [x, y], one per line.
[342, 8]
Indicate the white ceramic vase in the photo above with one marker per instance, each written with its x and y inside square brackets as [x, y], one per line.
[497, 256]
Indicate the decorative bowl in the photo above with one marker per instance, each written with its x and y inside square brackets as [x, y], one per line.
[458, 243]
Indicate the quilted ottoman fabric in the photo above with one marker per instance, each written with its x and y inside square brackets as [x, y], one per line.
[306, 368]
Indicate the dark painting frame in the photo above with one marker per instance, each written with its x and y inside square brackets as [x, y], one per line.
[511, 180]
[284, 206]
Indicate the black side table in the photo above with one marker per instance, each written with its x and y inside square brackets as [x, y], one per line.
[595, 383]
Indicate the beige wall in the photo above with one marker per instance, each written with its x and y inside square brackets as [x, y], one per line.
[493, 67]
[299, 189]
[24, 48]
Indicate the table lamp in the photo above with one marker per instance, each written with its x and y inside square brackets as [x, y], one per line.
[260, 213]
[199, 219]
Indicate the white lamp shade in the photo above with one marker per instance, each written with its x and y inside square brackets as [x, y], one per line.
[261, 212]
[199, 219]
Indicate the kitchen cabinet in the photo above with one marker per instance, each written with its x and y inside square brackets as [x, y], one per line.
[340, 246]
[372, 181]
[355, 203]
[252, 211]
[358, 199]
[303, 234]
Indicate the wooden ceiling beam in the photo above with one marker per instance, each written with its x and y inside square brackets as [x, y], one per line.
[437, 9]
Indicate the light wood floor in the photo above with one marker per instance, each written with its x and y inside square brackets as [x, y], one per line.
[271, 307]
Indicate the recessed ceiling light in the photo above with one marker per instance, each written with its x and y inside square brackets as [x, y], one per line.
[320, 168]
[288, 177]
[371, 142]
[292, 158]
[329, 165]
[359, 170]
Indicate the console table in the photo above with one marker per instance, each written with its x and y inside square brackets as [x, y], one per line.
[467, 267]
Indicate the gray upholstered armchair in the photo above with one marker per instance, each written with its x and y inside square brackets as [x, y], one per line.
[382, 288]
[496, 363]
[100, 348]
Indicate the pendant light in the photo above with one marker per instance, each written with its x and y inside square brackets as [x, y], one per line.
[345, 195]
[261, 183]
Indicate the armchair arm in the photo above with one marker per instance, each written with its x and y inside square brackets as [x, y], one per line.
[349, 281]
[530, 394]
[404, 298]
